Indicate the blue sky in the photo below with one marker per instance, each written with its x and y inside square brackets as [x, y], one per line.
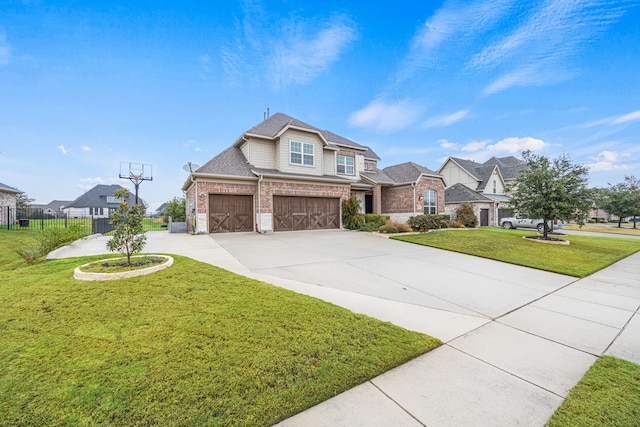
[86, 85]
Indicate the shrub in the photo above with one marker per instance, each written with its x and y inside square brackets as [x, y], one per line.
[352, 219]
[466, 216]
[373, 222]
[429, 222]
[402, 227]
[388, 229]
[50, 239]
[456, 224]
[176, 209]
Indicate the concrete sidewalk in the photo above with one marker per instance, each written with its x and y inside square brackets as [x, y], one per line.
[510, 356]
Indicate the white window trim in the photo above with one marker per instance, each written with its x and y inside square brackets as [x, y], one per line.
[426, 199]
[352, 166]
[302, 154]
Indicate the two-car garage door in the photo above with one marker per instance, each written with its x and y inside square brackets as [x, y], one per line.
[231, 213]
[305, 213]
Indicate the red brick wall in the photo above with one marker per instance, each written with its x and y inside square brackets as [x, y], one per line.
[400, 199]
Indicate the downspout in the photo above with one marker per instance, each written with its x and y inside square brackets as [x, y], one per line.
[259, 204]
[413, 185]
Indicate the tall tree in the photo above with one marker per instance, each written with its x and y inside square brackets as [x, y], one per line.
[23, 201]
[622, 199]
[551, 189]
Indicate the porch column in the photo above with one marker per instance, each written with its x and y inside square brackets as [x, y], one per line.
[377, 199]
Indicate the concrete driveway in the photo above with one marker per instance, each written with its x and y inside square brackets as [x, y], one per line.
[392, 270]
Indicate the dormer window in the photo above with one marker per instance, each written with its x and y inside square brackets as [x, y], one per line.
[345, 165]
[370, 166]
[301, 153]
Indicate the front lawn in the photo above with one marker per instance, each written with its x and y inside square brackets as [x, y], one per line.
[584, 256]
[190, 345]
[608, 395]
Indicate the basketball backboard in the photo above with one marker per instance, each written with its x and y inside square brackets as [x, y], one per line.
[136, 171]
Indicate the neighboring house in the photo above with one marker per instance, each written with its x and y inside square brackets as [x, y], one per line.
[7, 203]
[284, 174]
[53, 209]
[8, 195]
[481, 184]
[97, 202]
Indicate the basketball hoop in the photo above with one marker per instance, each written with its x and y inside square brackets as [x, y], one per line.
[136, 173]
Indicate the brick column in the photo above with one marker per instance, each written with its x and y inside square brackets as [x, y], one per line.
[377, 199]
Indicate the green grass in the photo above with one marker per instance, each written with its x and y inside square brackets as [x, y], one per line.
[608, 395]
[584, 256]
[189, 345]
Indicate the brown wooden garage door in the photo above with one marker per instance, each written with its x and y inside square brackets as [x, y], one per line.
[305, 213]
[230, 212]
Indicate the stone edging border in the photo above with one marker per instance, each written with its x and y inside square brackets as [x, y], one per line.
[548, 242]
[82, 275]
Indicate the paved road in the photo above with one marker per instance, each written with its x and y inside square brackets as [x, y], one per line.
[516, 339]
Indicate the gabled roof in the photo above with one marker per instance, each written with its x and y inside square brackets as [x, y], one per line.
[230, 162]
[54, 205]
[275, 125]
[407, 172]
[508, 167]
[460, 193]
[377, 177]
[97, 197]
[8, 189]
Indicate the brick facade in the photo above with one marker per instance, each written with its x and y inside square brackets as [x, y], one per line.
[400, 200]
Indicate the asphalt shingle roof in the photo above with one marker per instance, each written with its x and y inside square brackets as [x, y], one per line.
[406, 172]
[460, 193]
[230, 162]
[9, 189]
[97, 197]
[272, 126]
[510, 167]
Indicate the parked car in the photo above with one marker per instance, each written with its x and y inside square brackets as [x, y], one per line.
[524, 222]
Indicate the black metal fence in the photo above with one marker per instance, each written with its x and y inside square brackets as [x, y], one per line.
[37, 219]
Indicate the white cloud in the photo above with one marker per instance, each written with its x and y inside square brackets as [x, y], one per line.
[475, 146]
[62, 149]
[633, 116]
[607, 161]
[516, 145]
[386, 117]
[447, 145]
[294, 50]
[86, 148]
[5, 49]
[535, 50]
[443, 121]
[614, 120]
[299, 57]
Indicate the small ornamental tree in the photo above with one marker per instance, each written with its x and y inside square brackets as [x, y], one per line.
[176, 209]
[128, 235]
[551, 189]
[466, 215]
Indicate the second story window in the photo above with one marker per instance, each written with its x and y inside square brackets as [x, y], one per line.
[370, 166]
[345, 165]
[301, 153]
[494, 186]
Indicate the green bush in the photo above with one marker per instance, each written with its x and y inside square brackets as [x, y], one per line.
[429, 222]
[352, 219]
[50, 239]
[466, 216]
[373, 222]
[388, 229]
[176, 209]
